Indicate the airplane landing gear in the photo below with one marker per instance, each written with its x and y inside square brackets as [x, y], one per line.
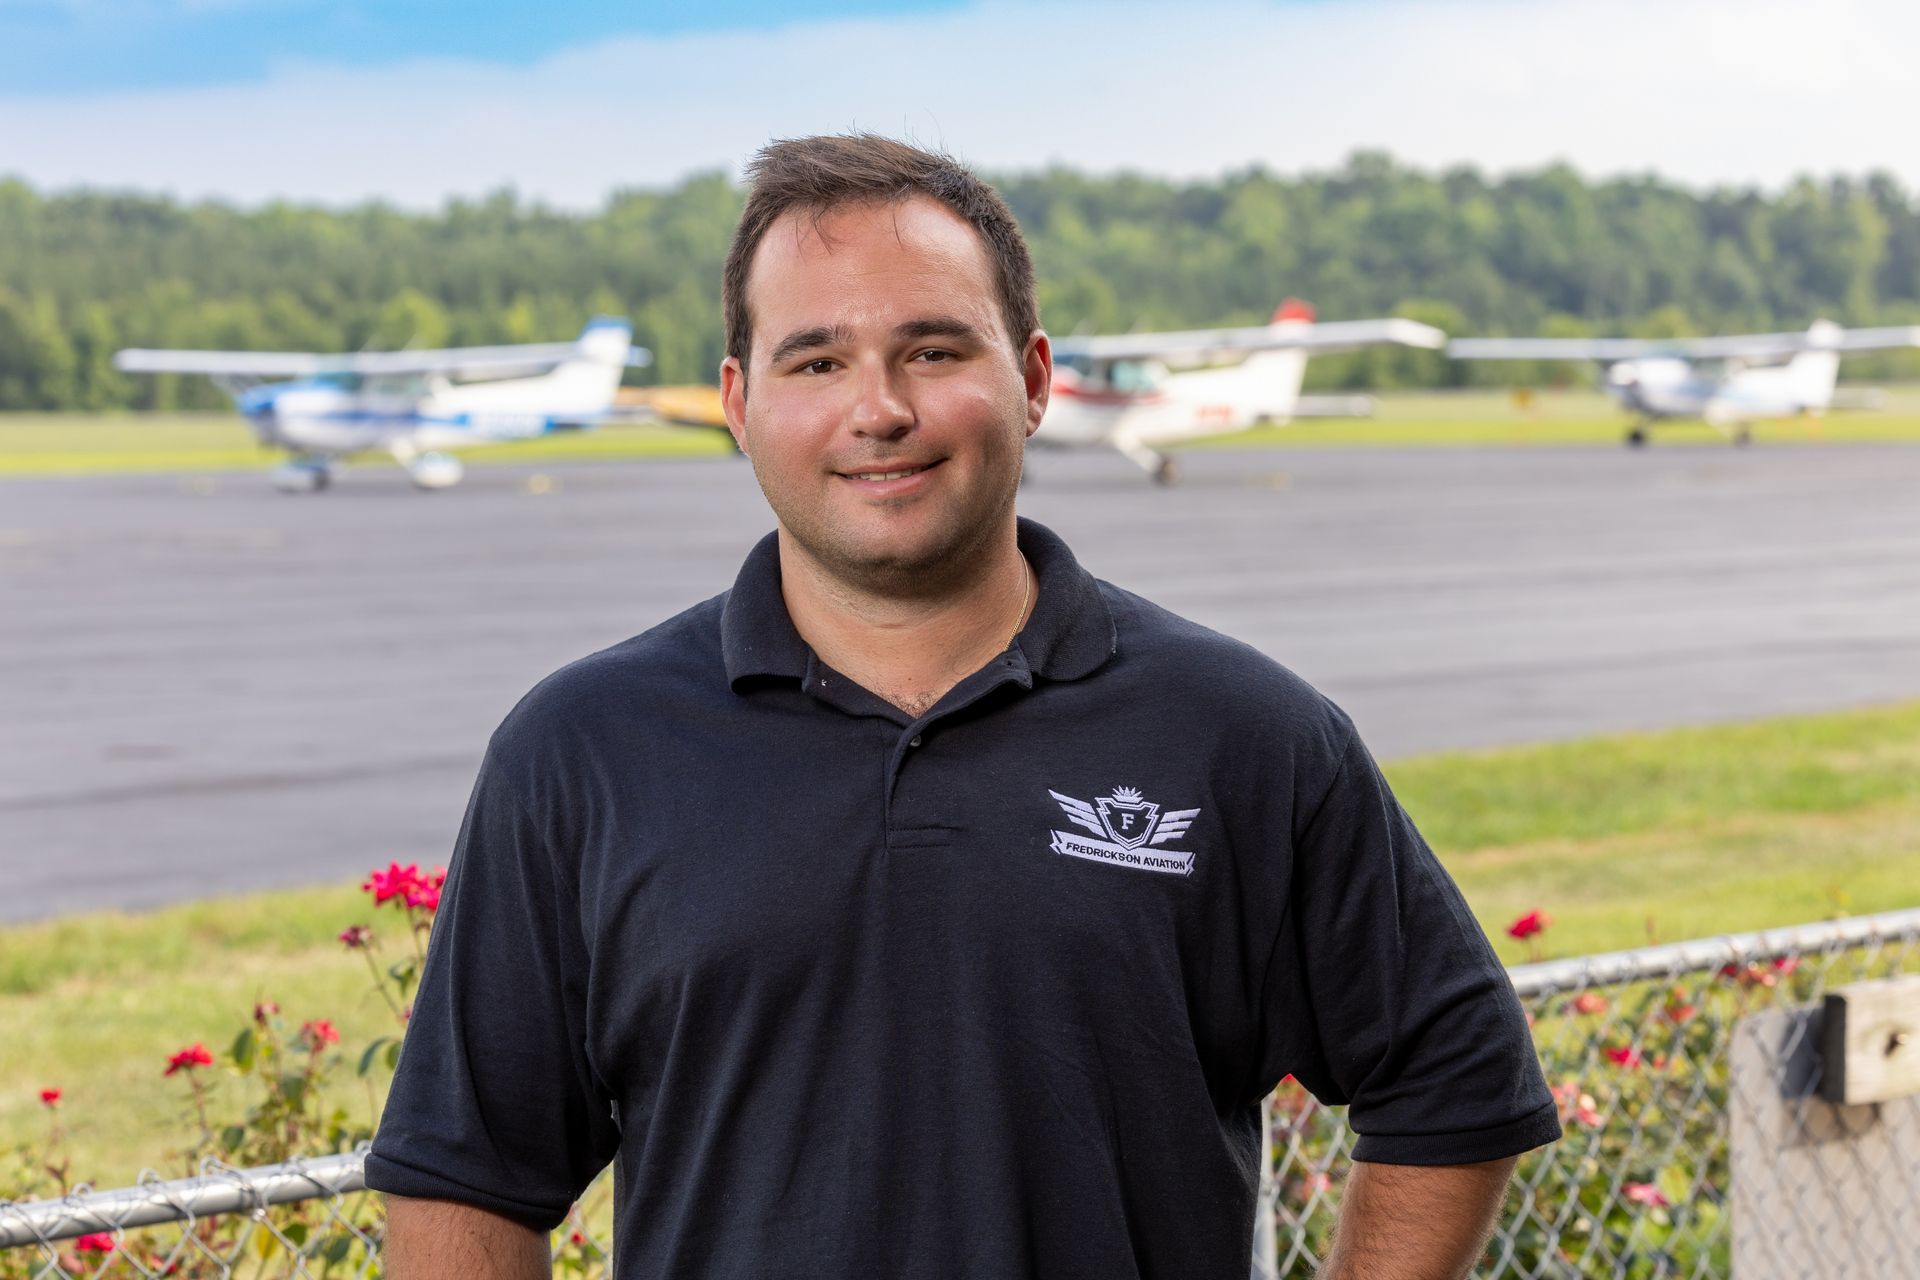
[1166, 472]
[435, 471]
[302, 475]
[1637, 436]
[1743, 435]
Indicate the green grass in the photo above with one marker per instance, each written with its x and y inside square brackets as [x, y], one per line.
[86, 444]
[91, 444]
[1684, 833]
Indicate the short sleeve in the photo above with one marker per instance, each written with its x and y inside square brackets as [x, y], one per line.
[494, 1103]
[1383, 992]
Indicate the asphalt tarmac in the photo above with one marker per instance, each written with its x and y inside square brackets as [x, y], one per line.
[210, 687]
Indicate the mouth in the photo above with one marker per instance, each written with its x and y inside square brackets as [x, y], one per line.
[894, 476]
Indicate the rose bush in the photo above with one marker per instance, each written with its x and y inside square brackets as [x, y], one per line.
[276, 1092]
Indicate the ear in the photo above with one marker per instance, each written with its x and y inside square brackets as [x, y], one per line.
[733, 400]
[1037, 368]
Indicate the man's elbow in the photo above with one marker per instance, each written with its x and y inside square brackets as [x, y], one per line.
[447, 1240]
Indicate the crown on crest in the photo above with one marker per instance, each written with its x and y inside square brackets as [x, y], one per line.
[1126, 795]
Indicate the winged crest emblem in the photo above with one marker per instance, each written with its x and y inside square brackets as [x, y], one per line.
[1123, 823]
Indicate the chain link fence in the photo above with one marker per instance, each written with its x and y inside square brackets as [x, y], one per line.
[1635, 1044]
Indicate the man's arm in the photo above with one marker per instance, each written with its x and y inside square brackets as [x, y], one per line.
[1416, 1222]
[443, 1240]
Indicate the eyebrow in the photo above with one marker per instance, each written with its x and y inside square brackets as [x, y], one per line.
[821, 335]
[799, 340]
[937, 327]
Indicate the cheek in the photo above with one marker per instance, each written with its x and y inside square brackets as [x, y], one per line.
[789, 437]
[986, 408]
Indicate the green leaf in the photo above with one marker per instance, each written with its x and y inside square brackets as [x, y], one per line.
[366, 1059]
[245, 1046]
[1675, 1183]
[297, 1233]
[232, 1136]
[393, 1056]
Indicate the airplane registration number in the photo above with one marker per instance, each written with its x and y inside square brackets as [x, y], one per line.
[510, 424]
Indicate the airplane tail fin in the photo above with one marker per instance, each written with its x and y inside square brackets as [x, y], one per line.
[1293, 311]
[606, 340]
[1813, 372]
[585, 383]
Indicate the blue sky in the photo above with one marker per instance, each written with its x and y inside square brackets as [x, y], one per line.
[85, 46]
[337, 103]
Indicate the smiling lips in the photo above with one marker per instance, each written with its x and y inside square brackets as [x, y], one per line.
[892, 474]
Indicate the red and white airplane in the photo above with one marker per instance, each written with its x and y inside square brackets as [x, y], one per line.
[1138, 392]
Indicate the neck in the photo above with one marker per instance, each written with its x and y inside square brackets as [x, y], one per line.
[909, 650]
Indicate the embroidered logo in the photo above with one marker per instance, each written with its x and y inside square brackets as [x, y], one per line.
[1128, 831]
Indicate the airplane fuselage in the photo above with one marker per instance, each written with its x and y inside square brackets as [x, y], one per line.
[317, 418]
[1666, 387]
[1142, 405]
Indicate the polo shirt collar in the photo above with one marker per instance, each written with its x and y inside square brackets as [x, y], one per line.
[1070, 633]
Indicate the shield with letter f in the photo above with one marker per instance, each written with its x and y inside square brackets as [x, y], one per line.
[1128, 818]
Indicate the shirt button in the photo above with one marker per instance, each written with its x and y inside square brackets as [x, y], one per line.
[914, 741]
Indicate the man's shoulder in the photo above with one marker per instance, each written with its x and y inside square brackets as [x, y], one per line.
[621, 685]
[1180, 648]
[1216, 675]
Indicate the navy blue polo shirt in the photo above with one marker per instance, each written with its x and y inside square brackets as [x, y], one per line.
[994, 992]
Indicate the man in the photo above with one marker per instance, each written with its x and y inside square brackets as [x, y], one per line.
[922, 907]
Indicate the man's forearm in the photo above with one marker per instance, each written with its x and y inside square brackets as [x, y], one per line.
[1412, 1222]
[441, 1240]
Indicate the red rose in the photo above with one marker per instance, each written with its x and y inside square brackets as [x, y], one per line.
[194, 1055]
[1529, 924]
[318, 1034]
[49, 1097]
[392, 883]
[1647, 1194]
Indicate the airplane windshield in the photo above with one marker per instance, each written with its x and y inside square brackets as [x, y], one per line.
[338, 381]
[1131, 377]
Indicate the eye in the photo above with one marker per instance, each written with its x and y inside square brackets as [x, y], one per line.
[822, 365]
[935, 355]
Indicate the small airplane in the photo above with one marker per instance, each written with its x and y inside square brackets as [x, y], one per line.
[1136, 392]
[1729, 382]
[411, 404]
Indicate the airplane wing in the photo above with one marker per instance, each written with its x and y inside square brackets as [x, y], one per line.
[1751, 346]
[1219, 346]
[531, 357]
[1602, 349]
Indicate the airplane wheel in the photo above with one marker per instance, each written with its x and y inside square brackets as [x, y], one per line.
[1167, 473]
[435, 471]
[1637, 438]
[1743, 436]
[301, 477]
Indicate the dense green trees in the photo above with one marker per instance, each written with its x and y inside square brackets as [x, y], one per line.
[1541, 252]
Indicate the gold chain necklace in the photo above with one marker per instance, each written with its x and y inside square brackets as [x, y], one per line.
[1026, 597]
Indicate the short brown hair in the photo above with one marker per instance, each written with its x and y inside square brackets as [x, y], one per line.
[823, 173]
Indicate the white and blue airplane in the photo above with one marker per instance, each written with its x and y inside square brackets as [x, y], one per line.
[1141, 392]
[1728, 382]
[414, 405]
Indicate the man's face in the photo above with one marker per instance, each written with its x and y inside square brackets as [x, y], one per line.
[888, 410]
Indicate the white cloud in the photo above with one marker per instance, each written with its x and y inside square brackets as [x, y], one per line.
[1703, 91]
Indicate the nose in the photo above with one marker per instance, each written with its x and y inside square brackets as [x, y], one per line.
[882, 411]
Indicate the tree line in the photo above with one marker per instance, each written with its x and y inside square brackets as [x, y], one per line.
[1546, 251]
